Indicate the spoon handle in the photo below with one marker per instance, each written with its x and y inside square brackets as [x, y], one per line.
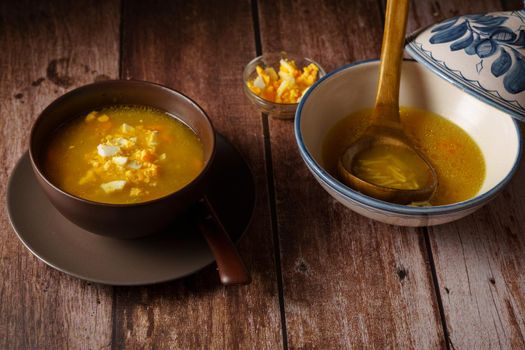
[387, 99]
[231, 267]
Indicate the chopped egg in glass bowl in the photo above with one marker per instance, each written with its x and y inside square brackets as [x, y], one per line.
[276, 82]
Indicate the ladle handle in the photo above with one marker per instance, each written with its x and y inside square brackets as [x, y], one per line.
[387, 98]
[231, 267]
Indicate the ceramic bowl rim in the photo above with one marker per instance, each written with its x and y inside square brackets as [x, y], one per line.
[192, 183]
[347, 192]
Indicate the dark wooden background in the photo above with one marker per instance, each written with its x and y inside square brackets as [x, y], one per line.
[323, 277]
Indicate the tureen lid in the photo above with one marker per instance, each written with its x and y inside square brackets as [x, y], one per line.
[482, 54]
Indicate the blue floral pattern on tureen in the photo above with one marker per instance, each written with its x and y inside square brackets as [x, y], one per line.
[482, 54]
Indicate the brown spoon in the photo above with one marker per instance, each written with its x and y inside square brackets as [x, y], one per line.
[231, 267]
[385, 128]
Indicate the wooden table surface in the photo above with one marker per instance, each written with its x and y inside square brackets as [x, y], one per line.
[323, 276]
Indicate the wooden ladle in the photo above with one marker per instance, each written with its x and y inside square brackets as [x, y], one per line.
[385, 128]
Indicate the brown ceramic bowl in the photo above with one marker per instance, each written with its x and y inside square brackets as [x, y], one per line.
[121, 220]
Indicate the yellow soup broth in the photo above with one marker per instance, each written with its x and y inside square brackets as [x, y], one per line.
[456, 157]
[124, 154]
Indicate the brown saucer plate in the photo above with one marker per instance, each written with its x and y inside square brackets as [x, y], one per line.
[179, 251]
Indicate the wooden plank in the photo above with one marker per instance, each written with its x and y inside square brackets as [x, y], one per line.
[48, 48]
[349, 282]
[479, 260]
[511, 5]
[424, 13]
[200, 48]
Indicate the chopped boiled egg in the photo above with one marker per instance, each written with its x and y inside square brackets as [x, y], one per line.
[103, 118]
[145, 155]
[259, 82]
[287, 66]
[91, 116]
[286, 86]
[128, 154]
[134, 165]
[119, 160]
[123, 142]
[113, 186]
[272, 74]
[135, 191]
[151, 138]
[107, 150]
[126, 128]
[89, 177]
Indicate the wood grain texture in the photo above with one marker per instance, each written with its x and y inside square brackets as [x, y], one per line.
[480, 260]
[511, 5]
[424, 13]
[47, 49]
[200, 48]
[349, 282]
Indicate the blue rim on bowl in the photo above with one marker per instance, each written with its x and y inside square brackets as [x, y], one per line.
[351, 194]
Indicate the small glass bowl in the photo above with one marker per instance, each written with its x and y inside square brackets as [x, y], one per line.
[276, 110]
